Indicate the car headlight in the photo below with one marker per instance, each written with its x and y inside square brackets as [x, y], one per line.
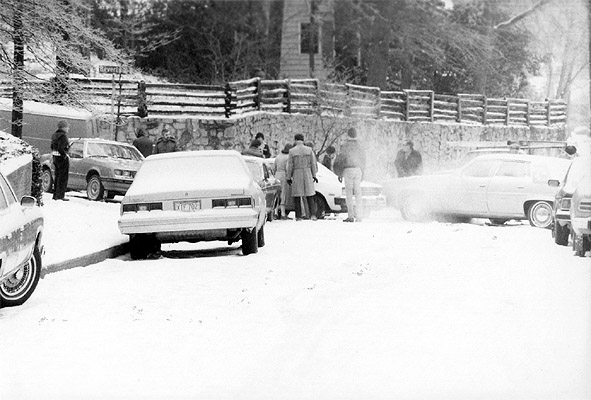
[124, 173]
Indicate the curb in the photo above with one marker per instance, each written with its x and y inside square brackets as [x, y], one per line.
[83, 261]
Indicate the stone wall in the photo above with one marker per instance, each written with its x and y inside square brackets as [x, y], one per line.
[380, 137]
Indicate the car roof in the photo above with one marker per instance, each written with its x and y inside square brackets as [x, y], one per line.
[522, 157]
[98, 140]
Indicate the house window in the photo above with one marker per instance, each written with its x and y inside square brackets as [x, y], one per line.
[309, 31]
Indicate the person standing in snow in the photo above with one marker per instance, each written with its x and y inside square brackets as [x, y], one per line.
[280, 173]
[166, 143]
[255, 149]
[265, 148]
[61, 160]
[353, 156]
[143, 143]
[301, 176]
[408, 161]
[329, 157]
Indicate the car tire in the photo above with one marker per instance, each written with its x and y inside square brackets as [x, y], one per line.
[414, 208]
[94, 188]
[46, 180]
[581, 244]
[322, 207]
[17, 289]
[261, 236]
[540, 214]
[250, 244]
[561, 234]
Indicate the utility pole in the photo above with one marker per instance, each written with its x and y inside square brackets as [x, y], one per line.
[18, 72]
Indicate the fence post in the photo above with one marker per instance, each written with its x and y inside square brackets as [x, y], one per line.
[459, 118]
[548, 108]
[348, 101]
[528, 112]
[259, 93]
[432, 105]
[142, 107]
[379, 105]
[484, 110]
[407, 106]
[507, 111]
[228, 101]
[288, 95]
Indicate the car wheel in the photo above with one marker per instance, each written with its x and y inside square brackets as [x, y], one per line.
[497, 221]
[261, 236]
[322, 207]
[140, 245]
[540, 214]
[46, 180]
[94, 188]
[19, 286]
[561, 234]
[250, 242]
[414, 208]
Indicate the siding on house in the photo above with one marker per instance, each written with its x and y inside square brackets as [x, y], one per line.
[293, 63]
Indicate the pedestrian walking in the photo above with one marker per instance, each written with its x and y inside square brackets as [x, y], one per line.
[265, 148]
[329, 157]
[301, 176]
[255, 149]
[408, 161]
[61, 159]
[281, 173]
[166, 143]
[353, 161]
[143, 143]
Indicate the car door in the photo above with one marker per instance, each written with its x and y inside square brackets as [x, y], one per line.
[467, 193]
[11, 220]
[273, 186]
[77, 175]
[509, 188]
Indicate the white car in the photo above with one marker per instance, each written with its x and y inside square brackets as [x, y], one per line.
[21, 229]
[193, 196]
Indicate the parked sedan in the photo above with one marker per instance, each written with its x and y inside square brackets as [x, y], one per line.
[580, 216]
[500, 187]
[193, 196]
[263, 175]
[104, 168]
[580, 167]
[21, 228]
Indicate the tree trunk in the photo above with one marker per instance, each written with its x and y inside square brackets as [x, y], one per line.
[18, 73]
[378, 54]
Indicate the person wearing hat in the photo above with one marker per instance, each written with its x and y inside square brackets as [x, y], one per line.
[61, 160]
[408, 161]
[255, 149]
[301, 176]
[265, 148]
[353, 161]
[329, 157]
[166, 143]
[280, 171]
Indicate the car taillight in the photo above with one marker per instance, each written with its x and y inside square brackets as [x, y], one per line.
[141, 207]
[232, 202]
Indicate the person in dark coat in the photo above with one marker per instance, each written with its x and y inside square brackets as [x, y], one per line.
[255, 149]
[301, 176]
[353, 156]
[165, 143]
[61, 160]
[266, 150]
[143, 143]
[329, 157]
[408, 161]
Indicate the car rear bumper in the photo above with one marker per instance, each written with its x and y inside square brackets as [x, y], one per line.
[116, 185]
[178, 221]
[562, 217]
[581, 225]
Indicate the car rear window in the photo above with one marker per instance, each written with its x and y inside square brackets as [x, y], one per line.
[195, 168]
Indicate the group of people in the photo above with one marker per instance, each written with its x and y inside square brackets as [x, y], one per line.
[166, 143]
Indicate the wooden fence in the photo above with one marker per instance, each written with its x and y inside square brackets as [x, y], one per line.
[307, 96]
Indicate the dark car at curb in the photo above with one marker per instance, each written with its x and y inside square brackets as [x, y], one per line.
[102, 168]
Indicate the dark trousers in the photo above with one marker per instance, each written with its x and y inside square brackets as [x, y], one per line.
[62, 166]
[311, 206]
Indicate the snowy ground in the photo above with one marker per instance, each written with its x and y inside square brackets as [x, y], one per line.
[384, 309]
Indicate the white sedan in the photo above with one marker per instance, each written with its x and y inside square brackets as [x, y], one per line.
[193, 196]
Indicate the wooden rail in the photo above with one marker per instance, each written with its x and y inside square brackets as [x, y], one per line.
[305, 96]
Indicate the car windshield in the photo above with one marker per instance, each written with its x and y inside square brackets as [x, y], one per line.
[255, 170]
[113, 150]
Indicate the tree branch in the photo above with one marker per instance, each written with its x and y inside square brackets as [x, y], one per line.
[519, 17]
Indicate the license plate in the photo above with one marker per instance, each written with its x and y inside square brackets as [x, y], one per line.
[187, 206]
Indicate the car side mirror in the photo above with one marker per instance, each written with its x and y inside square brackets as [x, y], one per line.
[553, 182]
[28, 201]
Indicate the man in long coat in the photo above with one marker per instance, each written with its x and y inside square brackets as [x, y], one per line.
[61, 160]
[301, 175]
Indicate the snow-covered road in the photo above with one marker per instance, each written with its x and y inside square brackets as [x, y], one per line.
[326, 310]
